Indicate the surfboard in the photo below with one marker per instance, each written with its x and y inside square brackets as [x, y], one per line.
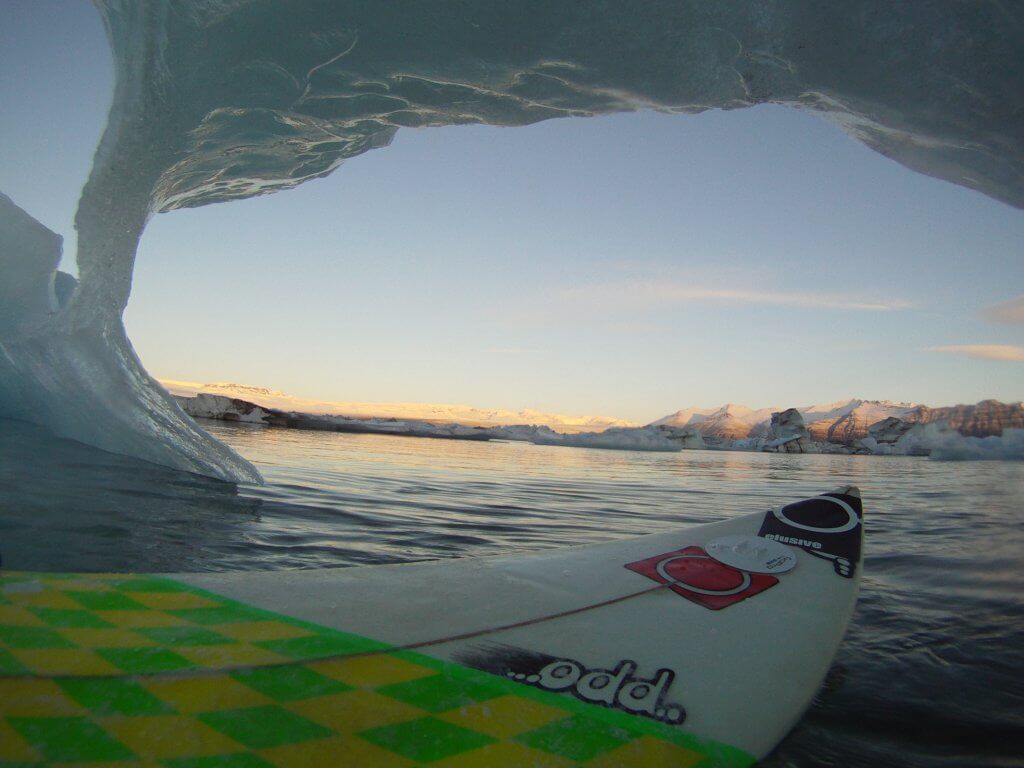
[696, 647]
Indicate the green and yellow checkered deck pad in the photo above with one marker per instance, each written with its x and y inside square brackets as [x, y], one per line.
[119, 670]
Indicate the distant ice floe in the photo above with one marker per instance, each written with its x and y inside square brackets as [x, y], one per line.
[206, 406]
[650, 438]
[940, 442]
[218, 100]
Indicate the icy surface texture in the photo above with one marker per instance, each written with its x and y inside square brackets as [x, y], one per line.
[80, 377]
[221, 99]
[29, 255]
[224, 99]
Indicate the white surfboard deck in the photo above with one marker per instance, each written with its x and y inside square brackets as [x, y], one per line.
[579, 623]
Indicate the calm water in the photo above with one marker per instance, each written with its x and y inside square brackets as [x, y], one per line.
[931, 672]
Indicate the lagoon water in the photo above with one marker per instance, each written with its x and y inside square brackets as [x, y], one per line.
[931, 672]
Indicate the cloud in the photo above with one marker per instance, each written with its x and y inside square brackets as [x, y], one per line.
[1005, 352]
[1008, 312]
[647, 293]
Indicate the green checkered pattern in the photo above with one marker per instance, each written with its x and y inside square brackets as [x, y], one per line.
[112, 670]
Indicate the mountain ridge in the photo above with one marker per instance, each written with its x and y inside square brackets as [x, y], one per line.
[846, 421]
[842, 421]
[433, 412]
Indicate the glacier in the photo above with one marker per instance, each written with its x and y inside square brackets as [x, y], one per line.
[218, 100]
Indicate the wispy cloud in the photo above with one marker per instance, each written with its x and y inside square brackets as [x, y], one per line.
[648, 293]
[1004, 352]
[1008, 312]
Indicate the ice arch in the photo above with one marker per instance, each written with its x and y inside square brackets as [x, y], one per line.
[224, 99]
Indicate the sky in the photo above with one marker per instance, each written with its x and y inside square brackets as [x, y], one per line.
[630, 265]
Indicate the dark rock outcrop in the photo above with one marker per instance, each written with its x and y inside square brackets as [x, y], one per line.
[989, 417]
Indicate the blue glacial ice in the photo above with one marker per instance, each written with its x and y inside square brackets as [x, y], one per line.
[225, 99]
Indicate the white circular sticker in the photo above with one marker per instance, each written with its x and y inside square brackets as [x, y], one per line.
[752, 553]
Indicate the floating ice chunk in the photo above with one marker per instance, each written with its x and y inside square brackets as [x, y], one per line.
[787, 424]
[650, 438]
[795, 444]
[787, 433]
[1008, 446]
[743, 444]
[888, 431]
[941, 442]
[206, 406]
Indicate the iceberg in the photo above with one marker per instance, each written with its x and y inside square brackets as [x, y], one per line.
[939, 441]
[217, 100]
[650, 438]
[787, 433]
[221, 408]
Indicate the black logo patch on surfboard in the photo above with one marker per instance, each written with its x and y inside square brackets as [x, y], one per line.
[618, 688]
[827, 526]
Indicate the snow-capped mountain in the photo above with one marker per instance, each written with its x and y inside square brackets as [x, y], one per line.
[432, 412]
[839, 422]
[850, 421]
[730, 422]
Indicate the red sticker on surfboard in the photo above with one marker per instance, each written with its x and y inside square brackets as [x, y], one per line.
[692, 573]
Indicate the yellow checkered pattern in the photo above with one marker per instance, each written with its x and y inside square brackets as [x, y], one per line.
[113, 670]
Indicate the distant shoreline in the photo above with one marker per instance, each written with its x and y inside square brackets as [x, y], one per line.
[785, 433]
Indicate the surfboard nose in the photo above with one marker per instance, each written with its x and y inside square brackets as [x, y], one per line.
[847, 490]
[830, 513]
[827, 526]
